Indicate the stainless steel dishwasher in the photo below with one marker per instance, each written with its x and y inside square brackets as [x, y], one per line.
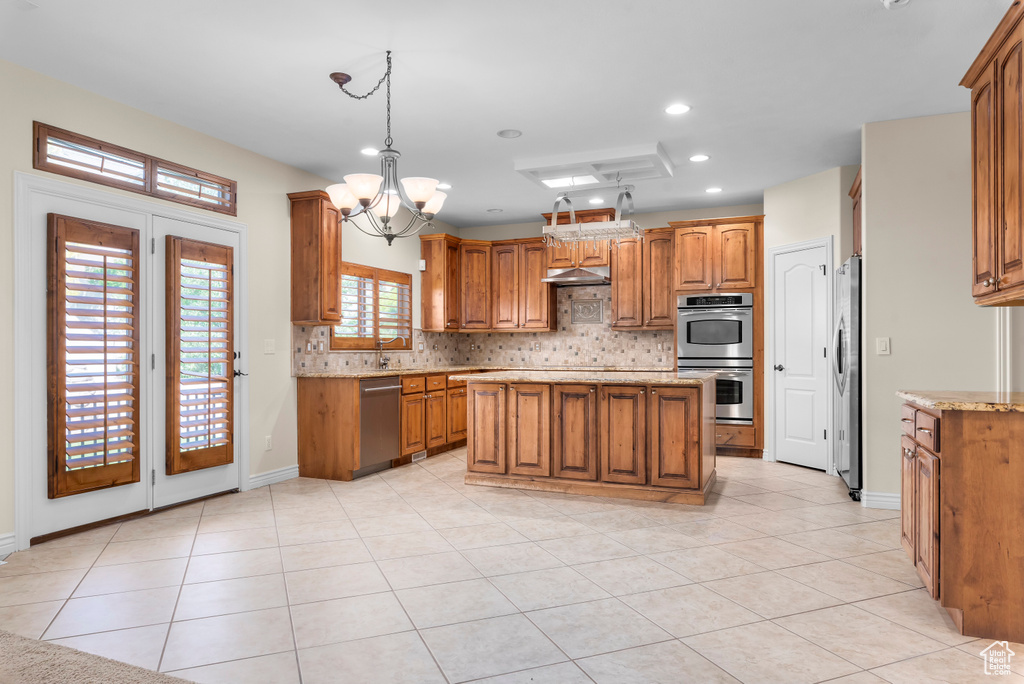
[378, 424]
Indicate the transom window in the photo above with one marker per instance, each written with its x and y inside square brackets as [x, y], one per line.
[376, 307]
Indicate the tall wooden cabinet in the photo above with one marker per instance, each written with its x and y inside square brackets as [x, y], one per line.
[627, 284]
[536, 298]
[316, 258]
[440, 284]
[505, 285]
[997, 121]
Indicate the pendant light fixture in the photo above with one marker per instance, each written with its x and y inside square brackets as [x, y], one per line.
[377, 197]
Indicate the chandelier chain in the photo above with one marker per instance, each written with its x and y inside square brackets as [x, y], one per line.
[386, 78]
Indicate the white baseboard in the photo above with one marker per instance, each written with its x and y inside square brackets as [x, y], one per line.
[883, 500]
[273, 476]
[7, 545]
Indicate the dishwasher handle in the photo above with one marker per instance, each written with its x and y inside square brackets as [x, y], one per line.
[380, 389]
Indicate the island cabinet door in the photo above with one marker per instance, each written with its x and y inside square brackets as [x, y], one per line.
[926, 531]
[436, 423]
[486, 425]
[908, 486]
[623, 434]
[574, 431]
[675, 436]
[529, 430]
[413, 423]
[456, 414]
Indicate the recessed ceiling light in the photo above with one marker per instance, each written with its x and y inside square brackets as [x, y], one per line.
[596, 200]
[713, 190]
[495, 211]
[444, 186]
[677, 108]
[370, 151]
[699, 158]
[509, 133]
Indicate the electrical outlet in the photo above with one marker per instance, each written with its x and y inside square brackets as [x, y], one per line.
[421, 346]
[320, 348]
[882, 346]
[661, 346]
[309, 347]
[435, 347]
[268, 347]
[268, 443]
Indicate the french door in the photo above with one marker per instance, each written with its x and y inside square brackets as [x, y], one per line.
[125, 328]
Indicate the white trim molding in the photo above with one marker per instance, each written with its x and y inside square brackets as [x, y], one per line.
[273, 476]
[7, 545]
[882, 500]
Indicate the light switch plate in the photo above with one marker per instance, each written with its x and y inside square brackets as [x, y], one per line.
[269, 347]
[882, 346]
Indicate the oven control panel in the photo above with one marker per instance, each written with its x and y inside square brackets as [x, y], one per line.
[701, 301]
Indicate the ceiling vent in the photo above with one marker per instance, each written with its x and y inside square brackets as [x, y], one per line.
[598, 169]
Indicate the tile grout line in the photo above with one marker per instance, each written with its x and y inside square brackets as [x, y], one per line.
[181, 586]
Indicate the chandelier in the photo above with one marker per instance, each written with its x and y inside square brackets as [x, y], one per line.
[379, 196]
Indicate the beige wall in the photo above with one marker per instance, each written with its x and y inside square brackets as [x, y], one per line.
[658, 219]
[917, 275]
[262, 184]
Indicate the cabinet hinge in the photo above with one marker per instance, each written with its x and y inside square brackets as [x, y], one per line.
[824, 352]
[152, 245]
[826, 433]
[824, 269]
[153, 477]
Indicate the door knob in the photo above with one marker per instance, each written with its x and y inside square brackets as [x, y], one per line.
[779, 367]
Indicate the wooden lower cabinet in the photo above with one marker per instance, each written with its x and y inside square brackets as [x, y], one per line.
[574, 431]
[456, 429]
[486, 427]
[926, 524]
[435, 420]
[529, 429]
[623, 434]
[412, 417]
[675, 434]
[908, 507]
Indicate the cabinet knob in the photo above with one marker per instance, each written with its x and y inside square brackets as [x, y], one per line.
[654, 391]
[641, 391]
[591, 390]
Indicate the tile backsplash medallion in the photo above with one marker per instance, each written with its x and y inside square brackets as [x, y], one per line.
[581, 344]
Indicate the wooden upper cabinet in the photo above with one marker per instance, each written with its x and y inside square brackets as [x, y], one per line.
[734, 256]
[593, 254]
[562, 256]
[658, 295]
[574, 431]
[627, 284]
[440, 283]
[529, 430]
[316, 258]
[475, 265]
[536, 299]
[584, 254]
[694, 270]
[675, 444]
[997, 121]
[505, 285]
[623, 434]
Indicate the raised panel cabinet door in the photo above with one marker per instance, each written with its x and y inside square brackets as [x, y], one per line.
[413, 417]
[562, 256]
[536, 299]
[486, 428]
[908, 485]
[623, 434]
[627, 284]
[675, 436]
[574, 432]
[436, 420]
[983, 161]
[658, 295]
[529, 430]
[456, 415]
[927, 519]
[475, 264]
[593, 253]
[452, 286]
[505, 286]
[694, 268]
[330, 262]
[1011, 154]
[735, 250]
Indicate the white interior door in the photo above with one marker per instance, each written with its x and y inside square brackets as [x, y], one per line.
[175, 488]
[800, 347]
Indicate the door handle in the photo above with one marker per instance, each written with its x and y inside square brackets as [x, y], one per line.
[779, 367]
[238, 372]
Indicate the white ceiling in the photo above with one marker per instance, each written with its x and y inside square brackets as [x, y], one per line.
[779, 88]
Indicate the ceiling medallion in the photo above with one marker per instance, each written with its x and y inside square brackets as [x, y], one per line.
[378, 197]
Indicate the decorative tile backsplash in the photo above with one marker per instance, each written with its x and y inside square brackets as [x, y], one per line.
[579, 342]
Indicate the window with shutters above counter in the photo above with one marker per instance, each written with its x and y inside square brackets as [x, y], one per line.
[92, 355]
[376, 306]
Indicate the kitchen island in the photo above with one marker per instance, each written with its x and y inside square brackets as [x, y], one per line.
[635, 435]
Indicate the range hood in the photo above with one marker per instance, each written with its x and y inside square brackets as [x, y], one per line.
[600, 275]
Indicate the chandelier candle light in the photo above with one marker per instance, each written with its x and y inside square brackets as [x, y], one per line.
[378, 197]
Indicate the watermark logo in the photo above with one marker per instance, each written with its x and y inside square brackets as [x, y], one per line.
[997, 658]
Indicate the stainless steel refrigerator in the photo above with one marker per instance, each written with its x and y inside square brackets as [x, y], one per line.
[846, 356]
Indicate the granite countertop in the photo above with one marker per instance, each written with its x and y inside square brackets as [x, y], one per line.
[438, 370]
[965, 401]
[593, 376]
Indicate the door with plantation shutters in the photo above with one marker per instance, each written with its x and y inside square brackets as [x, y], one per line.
[195, 402]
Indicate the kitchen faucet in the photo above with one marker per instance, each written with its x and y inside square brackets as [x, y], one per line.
[383, 361]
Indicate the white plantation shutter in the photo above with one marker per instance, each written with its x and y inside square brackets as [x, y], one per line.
[376, 304]
[394, 307]
[187, 185]
[92, 355]
[200, 360]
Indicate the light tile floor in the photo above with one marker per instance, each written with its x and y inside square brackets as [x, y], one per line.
[411, 576]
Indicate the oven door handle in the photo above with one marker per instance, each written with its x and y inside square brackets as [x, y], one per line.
[697, 312]
[728, 373]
